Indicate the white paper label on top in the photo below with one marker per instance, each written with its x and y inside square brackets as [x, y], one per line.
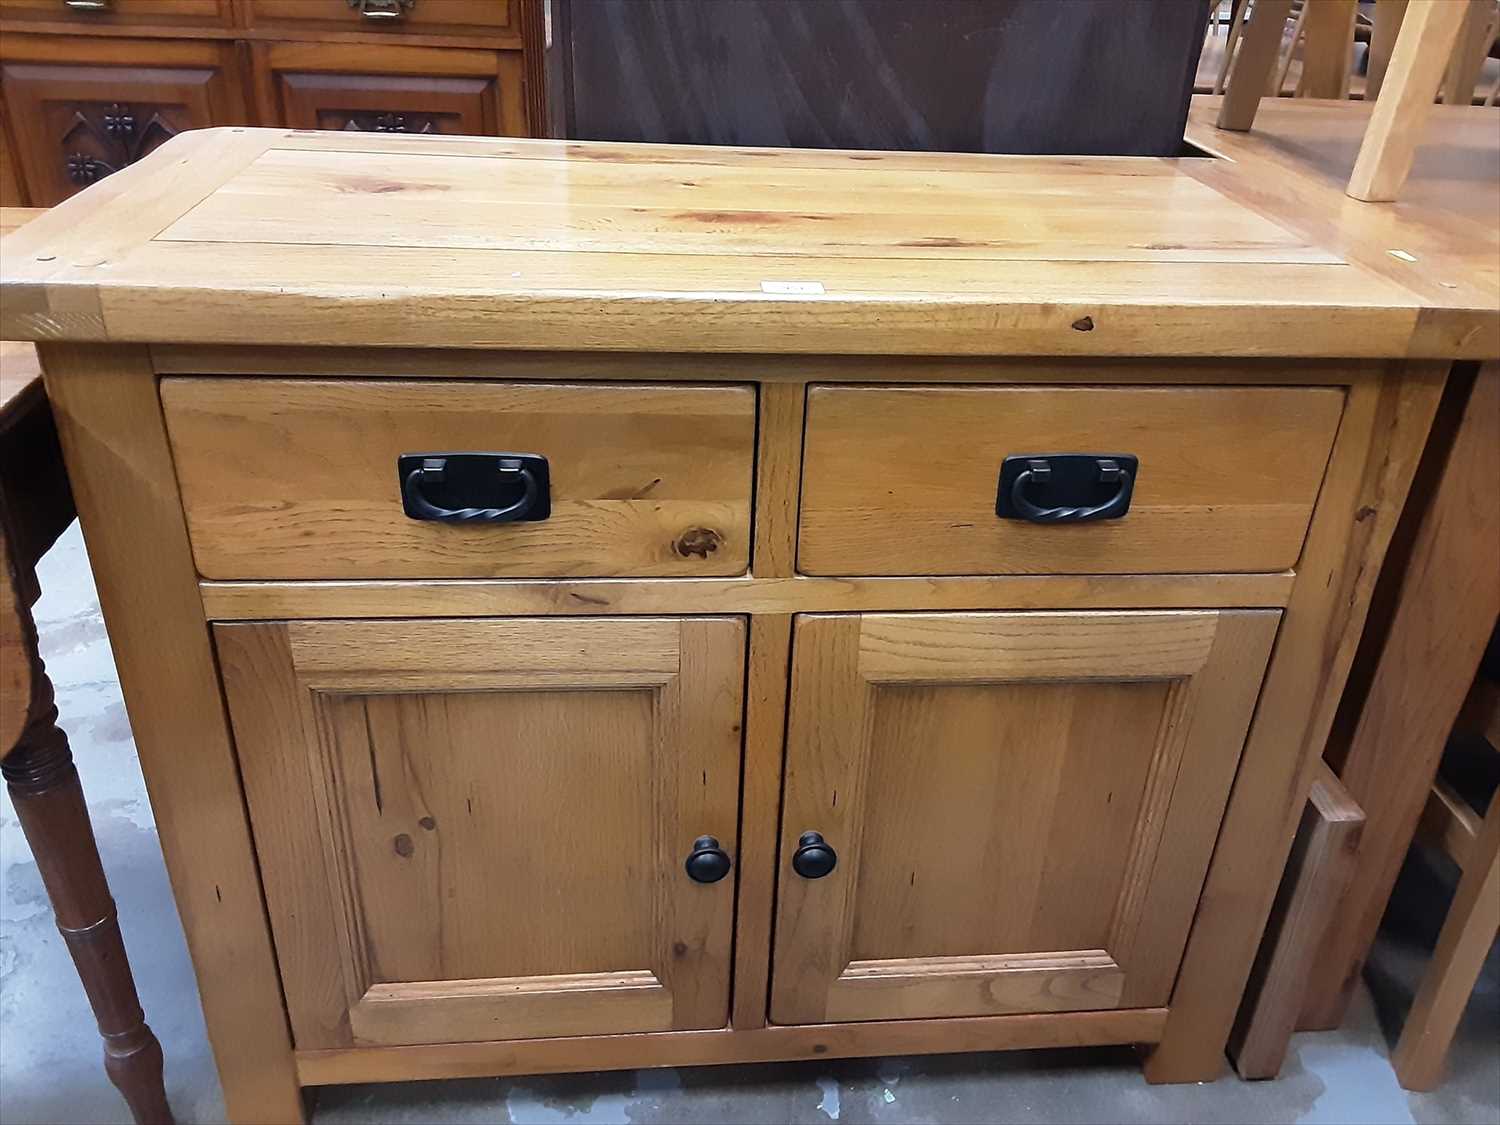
[791, 287]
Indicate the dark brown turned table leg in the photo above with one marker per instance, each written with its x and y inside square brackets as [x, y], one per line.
[49, 804]
[36, 506]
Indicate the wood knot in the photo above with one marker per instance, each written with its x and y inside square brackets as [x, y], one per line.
[404, 846]
[428, 822]
[1084, 324]
[679, 949]
[697, 541]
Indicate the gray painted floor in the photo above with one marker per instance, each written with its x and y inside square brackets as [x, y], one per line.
[50, 1058]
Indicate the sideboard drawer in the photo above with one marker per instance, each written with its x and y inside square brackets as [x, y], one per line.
[299, 478]
[121, 13]
[905, 479]
[394, 17]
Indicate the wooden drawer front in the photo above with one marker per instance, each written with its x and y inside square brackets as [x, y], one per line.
[1022, 806]
[122, 13]
[476, 830]
[359, 88]
[903, 480]
[76, 122]
[297, 478]
[399, 17]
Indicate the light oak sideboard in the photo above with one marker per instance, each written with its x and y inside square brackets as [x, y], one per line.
[626, 606]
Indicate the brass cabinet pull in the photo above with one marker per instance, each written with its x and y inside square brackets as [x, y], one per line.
[378, 9]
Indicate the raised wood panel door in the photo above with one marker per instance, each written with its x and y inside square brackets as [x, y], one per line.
[1022, 806]
[77, 121]
[391, 89]
[477, 830]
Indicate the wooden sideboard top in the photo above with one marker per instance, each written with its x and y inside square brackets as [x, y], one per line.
[268, 236]
[1440, 240]
[18, 362]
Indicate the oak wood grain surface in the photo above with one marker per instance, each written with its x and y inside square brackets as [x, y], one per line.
[109, 421]
[1380, 441]
[542, 244]
[902, 479]
[489, 845]
[965, 767]
[298, 479]
[1440, 242]
[764, 1044]
[233, 255]
[1308, 900]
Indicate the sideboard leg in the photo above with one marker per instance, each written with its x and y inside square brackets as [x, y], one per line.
[49, 803]
[1380, 440]
[109, 423]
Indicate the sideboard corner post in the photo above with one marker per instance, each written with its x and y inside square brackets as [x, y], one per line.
[114, 440]
[1384, 428]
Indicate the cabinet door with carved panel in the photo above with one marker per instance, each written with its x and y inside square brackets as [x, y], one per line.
[994, 813]
[364, 88]
[80, 108]
[493, 829]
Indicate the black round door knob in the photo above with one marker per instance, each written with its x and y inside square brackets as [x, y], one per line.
[707, 862]
[813, 858]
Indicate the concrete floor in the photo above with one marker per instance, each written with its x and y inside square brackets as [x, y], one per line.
[50, 1057]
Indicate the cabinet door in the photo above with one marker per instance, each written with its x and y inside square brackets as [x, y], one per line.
[1022, 806]
[477, 830]
[109, 104]
[384, 89]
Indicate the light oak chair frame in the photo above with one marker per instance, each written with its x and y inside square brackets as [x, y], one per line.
[1420, 55]
[1473, 920]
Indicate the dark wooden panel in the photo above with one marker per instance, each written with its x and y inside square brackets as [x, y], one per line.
[1023, 76]
[108, 105]
[390, 89]
[388, 104]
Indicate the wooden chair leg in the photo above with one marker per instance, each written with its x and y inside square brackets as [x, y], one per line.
[1260, 43]
[1316, 876]
[1470, 53]
[1467, 932]
[1443, 613]
[49, 803]
[1328, 49]
[1388, 17]
[1418, 62]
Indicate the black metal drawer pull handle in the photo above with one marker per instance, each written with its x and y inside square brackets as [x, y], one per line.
[1073, 487]
[814, 856]
[707, 862]
[475, 487]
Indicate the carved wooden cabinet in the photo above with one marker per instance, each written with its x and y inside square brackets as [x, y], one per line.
[89, 87]
[397, 90]
[80, 110]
